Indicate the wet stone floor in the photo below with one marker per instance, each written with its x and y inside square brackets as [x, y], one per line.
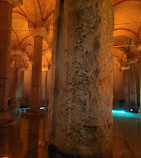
[28, 138]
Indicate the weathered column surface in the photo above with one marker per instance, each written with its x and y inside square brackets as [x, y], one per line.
[119, 85]
[133, 92]
[36, 74]
[138, 72]
[15, 80]
[5, 43]
[127, 91]
[20, 88]
[83, 95]
[49, 84]
[44, 87]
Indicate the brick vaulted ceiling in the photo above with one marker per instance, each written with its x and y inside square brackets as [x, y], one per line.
[40, 13]
[127, 28]
[32, 14]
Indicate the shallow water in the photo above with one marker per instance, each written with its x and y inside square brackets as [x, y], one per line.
[129, 125]
[28, 138]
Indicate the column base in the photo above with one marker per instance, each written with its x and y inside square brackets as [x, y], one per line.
[34, 112]
[6, 119]
[53, 151]
[13, 104]
[139, 111]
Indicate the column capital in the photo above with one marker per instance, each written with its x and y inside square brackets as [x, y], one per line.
[45, 69]
[38, 31]
[23, 68]
[17, 52]
[13, 3]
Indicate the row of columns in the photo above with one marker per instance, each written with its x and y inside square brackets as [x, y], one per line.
[5, 48]
[81, 120]
[30, 139]
[20, 90]
[127, 87]
[17, 91]
[15, 79]
[134, 87]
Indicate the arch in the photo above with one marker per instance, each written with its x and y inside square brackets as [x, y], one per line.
[25, 38]
[46, 58]
[35, 12]
[122, 50]
[40, 9]
[124, 31]
[122, 1]
[16, 12]
[16, 35]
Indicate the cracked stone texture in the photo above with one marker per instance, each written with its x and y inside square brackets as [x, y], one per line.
[83, 94]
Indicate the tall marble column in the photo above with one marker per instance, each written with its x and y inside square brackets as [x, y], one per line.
[83, 94]
[127, 88]
[133, 92]
[36, 74]
[5, 47]
[138, 71]
[20, 87]
[15, 80]
[140, 91]
[44, 87]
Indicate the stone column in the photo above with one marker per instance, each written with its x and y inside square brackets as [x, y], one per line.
[140, 98]
[20, 88]
[119, 86]
[49, 85]
[138, 70]
[15, 81]
[36, 74]
[127, 91]
[133, 92]
[83, 94]
[5, 47]
[44, 87]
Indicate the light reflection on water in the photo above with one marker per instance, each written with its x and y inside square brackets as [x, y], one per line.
[129, 124]
[125, 114]
[29, 139]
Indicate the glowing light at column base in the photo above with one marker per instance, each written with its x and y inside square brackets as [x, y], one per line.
[118, 111]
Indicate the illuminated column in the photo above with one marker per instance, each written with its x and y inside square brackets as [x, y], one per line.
[49, 84]
[5, 47]
[133, 94]
[82, 118]
[140, 93]
[36, 74]
[38, 33]
[127, 84]
[44, 86]
[138, 70]
[15, 82]
[20, 87]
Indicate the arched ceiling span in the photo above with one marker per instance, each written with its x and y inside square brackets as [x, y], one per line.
[118, 2]
[35, 13]
[127, 20]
